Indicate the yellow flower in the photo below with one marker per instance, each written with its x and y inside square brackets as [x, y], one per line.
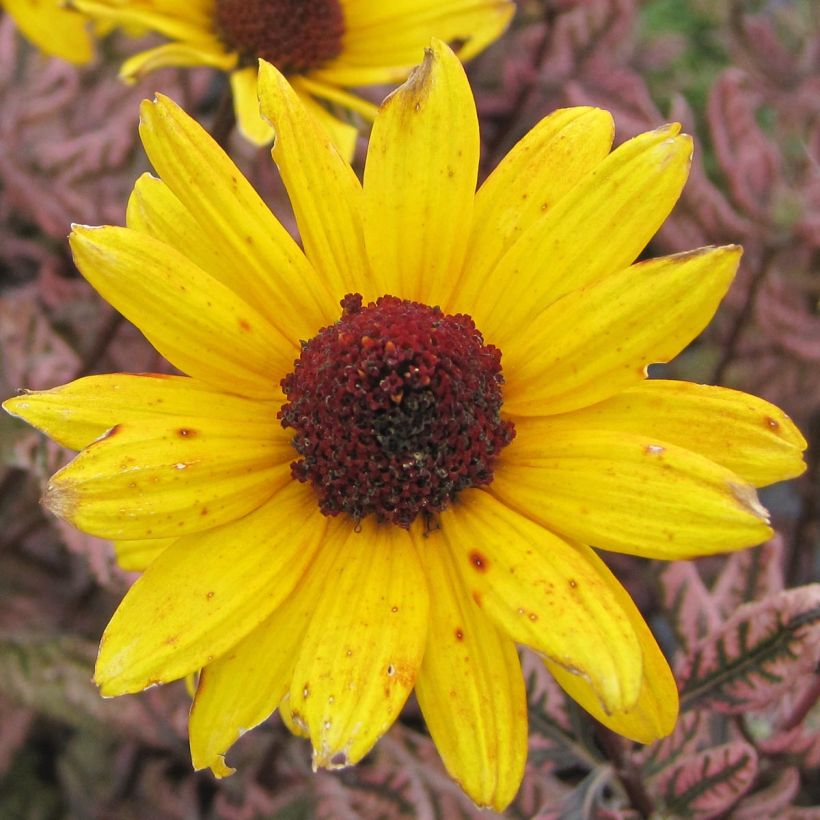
[445, 541]
[56, 31]
[323, 46]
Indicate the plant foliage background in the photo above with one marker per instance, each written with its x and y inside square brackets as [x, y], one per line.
[743, 631]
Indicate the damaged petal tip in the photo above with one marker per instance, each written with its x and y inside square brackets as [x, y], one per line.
[59, 498]
[746, 496]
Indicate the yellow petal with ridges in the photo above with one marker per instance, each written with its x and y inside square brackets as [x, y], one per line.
[654, 714]
[230, 211]
[542, 592]
[548, 162]
[628, 493]
[384, 41]
[244, 686]
[78, 413]
[175, 55]
[157, 479]
[597, 341]
[420, 178]
[188, 22]
[245, 90]
[743, 433]
[596, 229]
[197, 323]
[54, 30]
[325, 194]
[305, 85]
[206, 592]
[470, 688]
[137, 556]
[360, 656]
[344, 135]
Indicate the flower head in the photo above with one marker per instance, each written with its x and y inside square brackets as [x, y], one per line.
[389, 452]
[323, 46]
[56, 31]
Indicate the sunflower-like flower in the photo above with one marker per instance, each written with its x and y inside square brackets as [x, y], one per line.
[343, 500]
[324, 47]
[56, 31]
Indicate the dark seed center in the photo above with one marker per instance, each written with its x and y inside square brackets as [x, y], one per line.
[396, 409]
[294, 35]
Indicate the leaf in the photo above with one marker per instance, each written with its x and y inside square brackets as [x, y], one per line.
[686, 597]
[800, 744]
[709, 783]
[756, 656]
[690, 734]
[771, 800]
[749, 575]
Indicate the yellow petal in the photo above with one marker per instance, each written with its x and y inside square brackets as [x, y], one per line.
[654, 714]
[78, 413]
[419, 180]
[743, 433]
[155, 479]
[598, 340]
[54, 30]
[197, 323]
[325, 194]
[470, 688]
[191, 21]
[206, 592]
[176, 55]
[596, 229]
[545, 165]
[228, 209]
[628, 493]
[360, 656]
[154, 210]
[384, 41]
[246, 107]
[244, 686]
[542, 592]
[137, 556]
[344, 135]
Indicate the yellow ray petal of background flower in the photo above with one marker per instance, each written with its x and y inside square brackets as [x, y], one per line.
[155, 479]
[206, 592]
[54, 30]
[470, 687]
[542, 593]
[630, 493]
[361, 653]
[645, 314]
[78, 413]
[418, 202]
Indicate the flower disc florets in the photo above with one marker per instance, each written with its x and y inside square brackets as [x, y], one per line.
[294, 35]
[396, 409]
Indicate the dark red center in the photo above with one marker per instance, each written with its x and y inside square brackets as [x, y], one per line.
[396, 409]
[294, 35]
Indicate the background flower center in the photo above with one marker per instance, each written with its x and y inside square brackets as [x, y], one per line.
[396, 409]
[294, 35]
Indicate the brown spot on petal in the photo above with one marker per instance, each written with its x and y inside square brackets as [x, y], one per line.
[186, 432]
[771, 423]
[245, 325]
[459, 634]
[479, 561]
[573, 583]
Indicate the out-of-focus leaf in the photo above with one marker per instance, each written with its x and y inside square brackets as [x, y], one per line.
[800, 744]
[14, 726]
[749, 575]
[771, 800]
[757, 656]
[690, 734]
[686, 597]
[709, 783]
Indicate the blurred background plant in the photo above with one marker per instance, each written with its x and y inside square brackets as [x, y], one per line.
[743, 632]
